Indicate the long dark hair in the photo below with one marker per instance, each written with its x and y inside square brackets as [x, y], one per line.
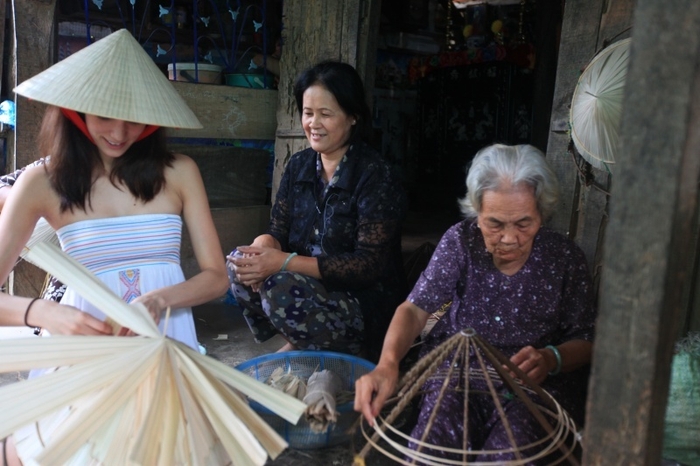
[75, 161]
[343, 81]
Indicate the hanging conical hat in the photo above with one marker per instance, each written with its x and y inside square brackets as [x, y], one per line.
[112, 78]
[596, 108]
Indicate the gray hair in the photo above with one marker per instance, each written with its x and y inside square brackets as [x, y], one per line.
[499, 165]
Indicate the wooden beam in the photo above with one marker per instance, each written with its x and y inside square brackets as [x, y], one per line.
[583, 209]
[229, 112]
[3, 10]
[652, 214]
[34, 32]
[579, 40]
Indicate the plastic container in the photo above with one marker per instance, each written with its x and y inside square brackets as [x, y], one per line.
[204, 73]
[304, 363]
[254, 81]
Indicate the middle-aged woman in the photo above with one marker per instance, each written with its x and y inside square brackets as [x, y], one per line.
[328, 273]
[522, 287]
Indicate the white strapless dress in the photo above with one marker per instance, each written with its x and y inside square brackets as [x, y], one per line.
[132, 255]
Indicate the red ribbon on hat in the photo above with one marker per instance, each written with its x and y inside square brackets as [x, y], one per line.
[75, 118]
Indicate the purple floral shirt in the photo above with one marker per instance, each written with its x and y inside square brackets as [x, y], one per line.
[548, 301]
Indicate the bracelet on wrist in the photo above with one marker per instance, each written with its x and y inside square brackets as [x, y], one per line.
[37, 330]
[557, 355]
[286, 261]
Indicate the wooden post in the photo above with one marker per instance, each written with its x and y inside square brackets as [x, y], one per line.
[588, 26]
[652, 214]
[314, 31]
[3, 10]
[34, 32]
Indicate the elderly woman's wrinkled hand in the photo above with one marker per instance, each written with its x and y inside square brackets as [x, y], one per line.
[373, 389]
[533, 363]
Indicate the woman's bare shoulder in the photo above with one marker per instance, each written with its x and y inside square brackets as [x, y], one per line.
[33, 192]
[184, 164]
[35, 175]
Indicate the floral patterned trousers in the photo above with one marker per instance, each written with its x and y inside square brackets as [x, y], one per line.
[301, 309]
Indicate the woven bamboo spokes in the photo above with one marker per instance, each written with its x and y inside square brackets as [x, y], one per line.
[448, 368]
[146, 400]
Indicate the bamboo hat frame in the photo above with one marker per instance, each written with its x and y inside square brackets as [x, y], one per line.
[112, 78]
[557, 445]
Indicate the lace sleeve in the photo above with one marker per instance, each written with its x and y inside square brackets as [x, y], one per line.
[377, 238]
[376, 243]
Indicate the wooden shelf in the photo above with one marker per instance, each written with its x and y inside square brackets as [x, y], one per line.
[229, 112]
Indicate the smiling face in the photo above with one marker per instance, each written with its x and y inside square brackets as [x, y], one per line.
[325, 123]
[112, 137]
[509, 220]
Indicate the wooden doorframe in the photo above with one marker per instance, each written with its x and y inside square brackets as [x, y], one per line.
[652, 218]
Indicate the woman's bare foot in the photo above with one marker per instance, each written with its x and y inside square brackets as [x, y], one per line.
[287, 347]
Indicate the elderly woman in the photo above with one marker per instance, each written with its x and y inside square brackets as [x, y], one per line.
[520, 286]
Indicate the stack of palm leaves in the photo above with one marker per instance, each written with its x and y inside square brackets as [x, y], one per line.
[131, 400]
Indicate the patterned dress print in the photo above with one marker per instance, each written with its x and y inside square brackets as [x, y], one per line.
[547, 302]
[352, 225]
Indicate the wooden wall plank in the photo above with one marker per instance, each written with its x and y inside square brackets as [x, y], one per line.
[583, 208]
[236, 226]
[652, 214]
[593, 203]
[229, 112]
[34, 24]
[578, 43]
[3, 10]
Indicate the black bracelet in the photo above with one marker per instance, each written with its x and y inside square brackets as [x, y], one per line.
[37, 330]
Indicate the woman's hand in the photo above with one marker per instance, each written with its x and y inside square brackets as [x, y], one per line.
[256, 264]
[60, 319]
[155, 306]
[534, 363]
[373, 389]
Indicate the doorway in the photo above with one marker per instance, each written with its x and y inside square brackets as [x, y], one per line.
[450, 81]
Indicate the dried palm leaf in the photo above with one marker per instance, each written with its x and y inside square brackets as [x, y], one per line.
[321, 392]
[130, 400]
[288, 382]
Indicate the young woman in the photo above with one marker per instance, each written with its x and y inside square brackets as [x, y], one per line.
[115, 196]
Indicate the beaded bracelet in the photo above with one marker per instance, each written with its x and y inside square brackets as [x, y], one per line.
[557, 355]
[286, 261]
[37, 330]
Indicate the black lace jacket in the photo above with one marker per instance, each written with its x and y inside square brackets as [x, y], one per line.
[358, 224]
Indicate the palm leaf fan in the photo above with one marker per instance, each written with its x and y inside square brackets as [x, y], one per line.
[130, 400]
[596, 107]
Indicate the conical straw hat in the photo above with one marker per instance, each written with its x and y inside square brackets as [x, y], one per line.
[596, 107]
[112, 78]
